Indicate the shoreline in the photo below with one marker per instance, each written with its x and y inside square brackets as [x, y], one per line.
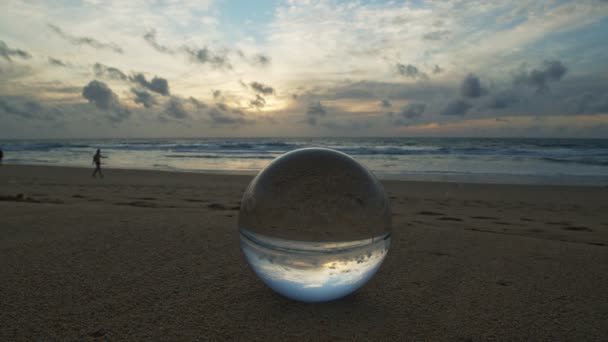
[467, 178]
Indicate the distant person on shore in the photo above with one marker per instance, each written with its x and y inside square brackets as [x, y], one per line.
[97, 161]
[1, 156]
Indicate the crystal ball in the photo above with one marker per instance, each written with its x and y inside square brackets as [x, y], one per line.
[315, 225]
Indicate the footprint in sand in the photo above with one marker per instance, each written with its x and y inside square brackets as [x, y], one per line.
[502, 223]
[484, 217]
[578, 228]
[447, 218]
[138, 204]
[430, 213]
[195, 200]
[219, 206]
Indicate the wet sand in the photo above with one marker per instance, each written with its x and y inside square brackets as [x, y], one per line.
[145, 255]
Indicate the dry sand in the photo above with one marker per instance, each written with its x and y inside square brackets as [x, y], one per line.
[144, 255]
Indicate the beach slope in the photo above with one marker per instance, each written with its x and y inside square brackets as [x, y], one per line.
[145, 255]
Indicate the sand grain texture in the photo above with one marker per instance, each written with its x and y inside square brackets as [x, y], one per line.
[145, 255]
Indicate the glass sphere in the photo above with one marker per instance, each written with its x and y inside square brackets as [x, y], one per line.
[315, 224]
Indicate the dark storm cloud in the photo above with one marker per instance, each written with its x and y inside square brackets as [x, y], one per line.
[104, 98]
[413, 110]
[6, 52]
[385, 103]
[176, 109]
[198, 104]
[26, 109]
[85, 40]
[550, 71]
[100, 94]
[14, 110]
[589, 103]
[502, 100]
[144, 98]
[261, 88]
[311, 121]
[258, 102]
[456, 108]
[316, 109]
[57, 62]
[157, 84]
[471, 87]
[222, 115]
[410, 71]
[150, 37]
[206, 56]
[105, 71]
[435, 35]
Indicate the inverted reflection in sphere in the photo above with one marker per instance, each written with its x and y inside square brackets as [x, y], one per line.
[315, 224]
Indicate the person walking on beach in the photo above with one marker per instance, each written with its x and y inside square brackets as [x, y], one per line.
[97, 161]
[1, 156]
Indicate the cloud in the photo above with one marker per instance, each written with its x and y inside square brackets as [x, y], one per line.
[57, 62]
[143, 97]
[385, 103]
[316, 109]
[104, 98]
[222, 115]
[456, 108]
[347, 126]
[410, 71]
[436, 35]
[258, 102]
[589, 103]
[471, 87]
[261, 88]
[502, 100]
[198, 104]
[260, 60]
[157, 84]
[206, 56]
[14, 110]
[105, 71]
[150, 37]
[550, 71]
[175, 109]
[85, 40]
[6, 52]
[413, 110]
[26, 109]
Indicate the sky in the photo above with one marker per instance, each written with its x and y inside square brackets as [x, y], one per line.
[210, 68]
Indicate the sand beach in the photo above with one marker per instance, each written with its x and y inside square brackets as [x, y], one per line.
[150, 255]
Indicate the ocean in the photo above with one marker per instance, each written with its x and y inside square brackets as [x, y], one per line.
[488, 160]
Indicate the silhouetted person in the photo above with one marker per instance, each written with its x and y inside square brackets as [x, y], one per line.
[97, 161]
[1, 156]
